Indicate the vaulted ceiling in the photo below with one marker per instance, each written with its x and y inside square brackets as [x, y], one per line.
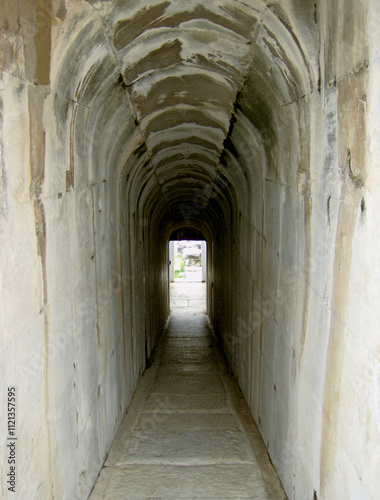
[184, 92]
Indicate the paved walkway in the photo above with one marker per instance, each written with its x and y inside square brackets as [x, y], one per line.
[190, 295]
[188, 433]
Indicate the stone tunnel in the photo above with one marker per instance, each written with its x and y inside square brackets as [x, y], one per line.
[253, 125]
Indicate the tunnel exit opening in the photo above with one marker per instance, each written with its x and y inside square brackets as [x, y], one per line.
[187, 275]
[187, 260]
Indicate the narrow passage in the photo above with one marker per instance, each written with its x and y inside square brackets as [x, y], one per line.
[188, 433]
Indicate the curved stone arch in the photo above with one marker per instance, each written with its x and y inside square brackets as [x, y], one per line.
[191, 127]
[266, 17]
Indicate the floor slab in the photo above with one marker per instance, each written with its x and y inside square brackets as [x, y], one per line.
[188, 433]
[138, 482]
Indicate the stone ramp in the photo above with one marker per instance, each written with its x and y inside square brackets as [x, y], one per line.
[188, 434]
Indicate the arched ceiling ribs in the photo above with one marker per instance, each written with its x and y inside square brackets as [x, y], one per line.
[162, 86]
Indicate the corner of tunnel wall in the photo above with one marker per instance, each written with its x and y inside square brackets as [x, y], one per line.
[25, 303]
[350, 361]
[156, 285]
[149, 260]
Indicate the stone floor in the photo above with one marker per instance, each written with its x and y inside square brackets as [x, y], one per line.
[188, 433]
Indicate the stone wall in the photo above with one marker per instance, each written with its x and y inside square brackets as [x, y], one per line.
[304, 336]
